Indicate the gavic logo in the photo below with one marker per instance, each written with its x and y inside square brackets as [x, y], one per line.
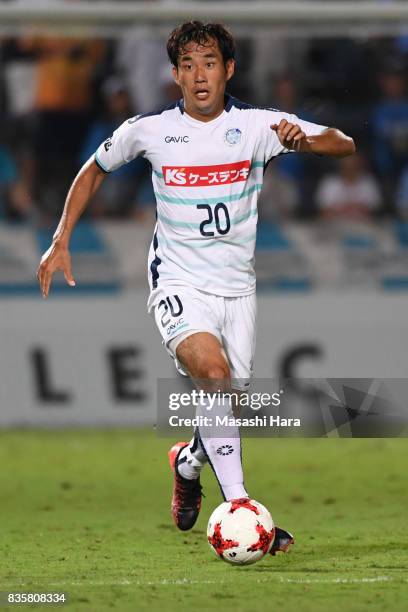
[176, 139]
[199, 176]
[173, 326]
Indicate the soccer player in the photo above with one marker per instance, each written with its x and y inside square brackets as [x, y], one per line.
[208, 153]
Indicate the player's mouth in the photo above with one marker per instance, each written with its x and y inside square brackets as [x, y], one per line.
[202, 94]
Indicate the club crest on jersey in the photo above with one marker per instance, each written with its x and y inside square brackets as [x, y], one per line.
[233, 136]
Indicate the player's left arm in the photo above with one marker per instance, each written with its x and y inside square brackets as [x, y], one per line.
[330, 141]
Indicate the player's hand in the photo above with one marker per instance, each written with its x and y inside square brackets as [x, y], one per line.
[56, 258]
[290, 134]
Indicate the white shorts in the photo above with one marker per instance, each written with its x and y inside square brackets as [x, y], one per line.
[183, 311]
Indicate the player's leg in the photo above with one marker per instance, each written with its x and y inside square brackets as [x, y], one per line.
[238, 337]
[180, 312]
[192, 457]
[203, 357]
[187, 460]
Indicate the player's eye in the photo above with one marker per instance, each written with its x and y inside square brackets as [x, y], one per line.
[210, 64]
[187, 66]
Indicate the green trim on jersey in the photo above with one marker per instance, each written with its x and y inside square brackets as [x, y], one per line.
[98, 161]
[258, 164]
[194, 201]
[176, 331]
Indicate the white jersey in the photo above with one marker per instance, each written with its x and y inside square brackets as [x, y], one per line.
[206, 177]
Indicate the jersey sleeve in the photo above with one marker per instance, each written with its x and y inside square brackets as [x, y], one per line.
[273, 146]
[123, 146]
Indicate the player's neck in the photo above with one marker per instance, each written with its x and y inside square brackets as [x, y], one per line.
[205, 117]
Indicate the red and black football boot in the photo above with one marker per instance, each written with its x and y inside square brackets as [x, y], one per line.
[186, 501]
[282, 542]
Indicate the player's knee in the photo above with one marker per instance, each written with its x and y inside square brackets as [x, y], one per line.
[218, 372]
[215, 377]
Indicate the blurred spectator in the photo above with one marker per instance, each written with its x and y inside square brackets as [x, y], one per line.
[279, 197]
[402, 196]
[19, 78]
[286, 99]
[297, 168]
[390, 127]
[169, 91]
[64, 93]
[138, 53]
[117, 194]
[267, 58]
[352, 193]
[14, 200]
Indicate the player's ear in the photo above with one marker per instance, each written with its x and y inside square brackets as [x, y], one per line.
[175, 75]
[229, 68]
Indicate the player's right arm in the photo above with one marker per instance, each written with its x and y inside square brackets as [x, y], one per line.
[288, 133]
[126, 143]
[57, 257]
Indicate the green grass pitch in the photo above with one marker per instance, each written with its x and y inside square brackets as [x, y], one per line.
[87, 512]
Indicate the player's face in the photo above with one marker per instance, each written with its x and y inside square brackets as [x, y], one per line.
[202, 76]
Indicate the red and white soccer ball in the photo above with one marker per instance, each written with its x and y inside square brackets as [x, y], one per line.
[241, 531]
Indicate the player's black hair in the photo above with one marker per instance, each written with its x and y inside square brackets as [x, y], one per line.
[202, 34]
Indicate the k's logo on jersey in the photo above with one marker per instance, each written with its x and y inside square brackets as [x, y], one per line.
[199, 176]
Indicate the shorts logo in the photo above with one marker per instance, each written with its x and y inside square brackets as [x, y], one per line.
[199, 176]
[233, 136]
[225, 449]
[174, 326]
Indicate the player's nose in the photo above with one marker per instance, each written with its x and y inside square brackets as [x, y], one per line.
[199, 76]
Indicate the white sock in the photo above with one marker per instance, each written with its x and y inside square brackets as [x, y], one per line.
[192, 459]
[222, 445]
